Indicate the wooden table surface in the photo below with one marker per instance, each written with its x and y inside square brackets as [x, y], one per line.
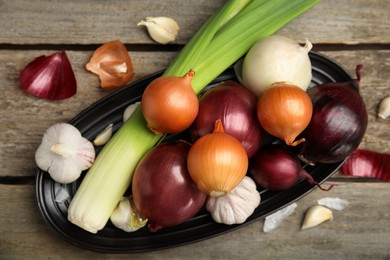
[349, 31]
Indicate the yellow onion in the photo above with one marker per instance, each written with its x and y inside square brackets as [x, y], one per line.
[217, 162]
[169, 104]
[284, 111]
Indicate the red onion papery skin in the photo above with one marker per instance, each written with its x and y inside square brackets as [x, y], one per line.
[162, 188]
[274, 167]
[366, 163]
[236, 107]
[49, 77]
[338, 123]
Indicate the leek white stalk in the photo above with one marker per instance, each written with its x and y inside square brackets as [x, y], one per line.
[111, 174]
[218, 44]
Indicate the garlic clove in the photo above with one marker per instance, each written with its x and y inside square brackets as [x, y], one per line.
[104, 136]
[162, 29]
[384, 108]
[315, 216]
[130, 110]
[126, 217]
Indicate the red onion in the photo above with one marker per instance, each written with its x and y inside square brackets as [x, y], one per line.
[236, 107]
[50, 77]
[338, 123]
[274, 167]
[365, 163]
[162, 188]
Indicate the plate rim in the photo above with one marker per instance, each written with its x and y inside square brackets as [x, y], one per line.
[42, 176]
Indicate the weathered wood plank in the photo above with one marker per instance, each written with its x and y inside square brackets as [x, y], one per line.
[94, 22]
[359, 232]
[18, 141]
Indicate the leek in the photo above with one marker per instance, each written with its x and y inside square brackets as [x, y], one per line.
[221, 41]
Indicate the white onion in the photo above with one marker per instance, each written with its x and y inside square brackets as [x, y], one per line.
[277, 59]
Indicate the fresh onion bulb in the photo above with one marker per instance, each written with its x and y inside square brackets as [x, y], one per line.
[275, 59]
[284, 111]
[169, 104]
[338, 123]
[217, 162]
[274, 167]
[235, 105]
[162, 189]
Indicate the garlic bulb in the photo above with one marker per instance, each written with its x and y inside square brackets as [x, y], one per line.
[384, 108]
[236, 206]
[162, 29]
[316, 215]
[64, 153]
[125, 216]
[276, 59]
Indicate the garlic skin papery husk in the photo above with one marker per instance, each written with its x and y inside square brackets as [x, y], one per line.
[162, 29]
[333, 203]
[276, 59]
[273, 221]
[64, 153]
[126, 217]
[316, 215]
[384, 108]
[237, 205]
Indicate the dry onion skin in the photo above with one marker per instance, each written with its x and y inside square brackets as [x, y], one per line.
[368, 164]
[112, 63]
[217, 162]
[49, 77]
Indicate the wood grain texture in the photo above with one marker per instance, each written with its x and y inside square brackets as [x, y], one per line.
[18, 140]
[350, 31]
[350, 235]
[24, 118]
[86, 22]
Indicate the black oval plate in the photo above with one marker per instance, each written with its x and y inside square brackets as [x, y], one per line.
[112, 240]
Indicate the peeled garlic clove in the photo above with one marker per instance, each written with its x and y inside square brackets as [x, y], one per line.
[162, 29]
[384, 108]
[316, 215]
[333, 203]
[104, 136]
